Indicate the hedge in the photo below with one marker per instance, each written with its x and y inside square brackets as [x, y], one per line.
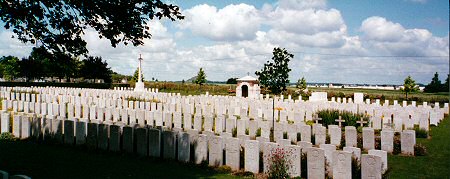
[72, 85]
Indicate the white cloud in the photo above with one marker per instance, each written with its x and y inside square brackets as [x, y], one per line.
[12, 46]
[386, 37]
[236, 39]
[306, 26]
[378, 28]
[233, 22]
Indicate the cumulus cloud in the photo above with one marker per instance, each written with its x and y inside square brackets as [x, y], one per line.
[12, 46]
[307, 26]
[233, 22]
[382, 35]
[239, 38]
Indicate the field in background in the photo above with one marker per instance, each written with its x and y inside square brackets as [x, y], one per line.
[227, 89]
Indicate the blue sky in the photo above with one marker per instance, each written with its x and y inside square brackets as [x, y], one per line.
[333, 41]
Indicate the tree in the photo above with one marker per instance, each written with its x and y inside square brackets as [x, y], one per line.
[29, 69]
[232, 81]
[446, 84]
[95, 68]
[275, 75]
[409, 86]
[11, 68]
[59, 25]
[40, 59]
[301, 84]
[136, 75]
[435, 85]
[201, 77]
[117, 78]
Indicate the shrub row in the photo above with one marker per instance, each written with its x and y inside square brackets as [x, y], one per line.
[72, 85]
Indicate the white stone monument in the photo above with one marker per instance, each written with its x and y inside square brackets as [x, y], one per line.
[139, 84]
[248, 87]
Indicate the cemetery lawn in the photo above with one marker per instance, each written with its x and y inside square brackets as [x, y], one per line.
[434, 165]
[56, 161]
[391, 95]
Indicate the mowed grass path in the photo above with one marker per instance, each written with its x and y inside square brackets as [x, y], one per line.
[434, 165]
[56, 161]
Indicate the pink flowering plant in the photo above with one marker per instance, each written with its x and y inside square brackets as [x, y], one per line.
[279, 163]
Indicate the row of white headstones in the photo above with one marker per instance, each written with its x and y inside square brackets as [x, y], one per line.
[166, 109]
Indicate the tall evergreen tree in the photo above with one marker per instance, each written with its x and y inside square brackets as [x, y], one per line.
[435, 85]
[201, 77]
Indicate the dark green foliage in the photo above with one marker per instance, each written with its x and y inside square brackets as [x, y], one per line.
[247, 132]
[234, 132]
[409, 86]
[223, 169]
[397, 145]
[95, 68]
[117, 78]
[275, 75]
[60, 25]
[420, 150]
[7, 136]
[304, 165]
[41, 64]
[299, 136]
[378, 142]
[359, 140]
[271, 135]
[342, 140]
[73, 85]
[285, 135]
[201, 77]
[301, 84]
[420, 133]
[356, 168]
[330, 115]
[232, 81]
[258, 132]
[436, 86]
[9, 67]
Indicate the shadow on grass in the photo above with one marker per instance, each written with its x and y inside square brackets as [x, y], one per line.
[57, 161]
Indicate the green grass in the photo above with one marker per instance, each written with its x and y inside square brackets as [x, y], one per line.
[56, 161]
[434, 165]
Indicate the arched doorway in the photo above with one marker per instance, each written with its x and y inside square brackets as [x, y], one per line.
[244, 91]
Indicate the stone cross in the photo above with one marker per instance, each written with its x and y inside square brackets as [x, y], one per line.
[339, 120]
[140, 66]
[362, 122]
[317, 119]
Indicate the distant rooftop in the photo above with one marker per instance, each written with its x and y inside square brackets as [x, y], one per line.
[247, 78]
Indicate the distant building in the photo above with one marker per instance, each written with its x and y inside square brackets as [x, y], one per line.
[248, 87]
